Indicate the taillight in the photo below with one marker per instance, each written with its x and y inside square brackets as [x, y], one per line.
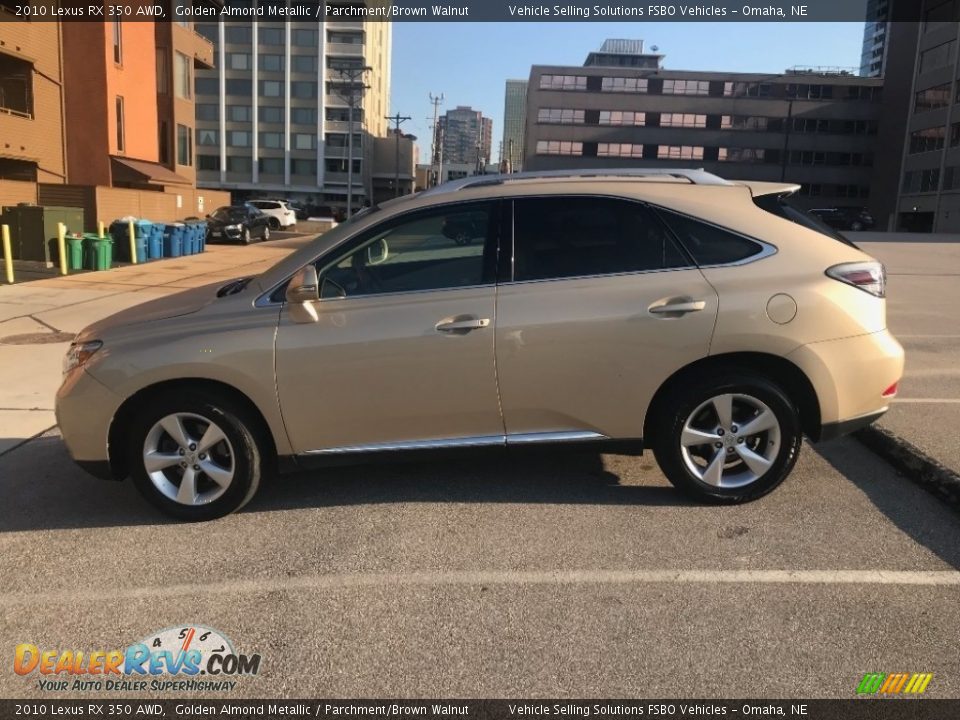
[890, 391]
[868, 276]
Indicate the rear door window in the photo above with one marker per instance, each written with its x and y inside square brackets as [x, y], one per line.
[709, 244]
[782, 206]
[562, 237]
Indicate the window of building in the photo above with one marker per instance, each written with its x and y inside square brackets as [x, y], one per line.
[921, 180]
[630, 150]
[239, 34]
[207, 86]
[337, 165]
[810, 92]
[237, 87]
[239, 113]
[207, 137]
[270, 35]
[182, 82]
[955, 134]
[709, 244]
[744, 122]
[163, 138]
[305, 116]
[121, 126]
[163, 71]
[207, 111]
[563, 237]
[239, 164]
[271, 166]
[932, 98]
[305, 38]
[927, 140]
[937, 56]
[623, 84]
[563, 82]
[622, 117]
[271, 140]
[345, 38]
[303, 89]
[811, 125]
[336, 114]
[559, 147]
[339, 140]
[304, 63]
[680, 152]
[740, 154]
[415, 262]
[936, 16]
[686, 87]
[117, 42]
[270, 63]
[301, 166]
[238, 138]
[859, 127]
[683, 120]
[562, 116]
[271, 88]
[852, 191]
[746, 89]
[951, 177]
[208, 162]
[270, 114]
[210, 32]
[184, 145]
[304, 141]
[238, 61]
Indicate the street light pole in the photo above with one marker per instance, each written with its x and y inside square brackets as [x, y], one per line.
[350, 90]
[435, 101]
[397, 120]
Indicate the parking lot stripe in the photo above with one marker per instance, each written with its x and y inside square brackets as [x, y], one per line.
[333, 582]
[927, 400]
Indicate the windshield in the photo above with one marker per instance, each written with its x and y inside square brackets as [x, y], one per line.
[782, 206]
[227, 213]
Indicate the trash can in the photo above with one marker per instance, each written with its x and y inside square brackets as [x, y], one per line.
[102, 251]
[155, 241]
[119, 231]
[75, 253]
[203, 236]
[173, 240]
[192, 237]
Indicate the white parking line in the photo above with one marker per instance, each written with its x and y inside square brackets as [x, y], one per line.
[927, 400]
[940, 578]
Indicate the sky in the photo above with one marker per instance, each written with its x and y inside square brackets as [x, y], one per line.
[469, 62]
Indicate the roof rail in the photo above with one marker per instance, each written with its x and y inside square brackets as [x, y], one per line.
[694, 176]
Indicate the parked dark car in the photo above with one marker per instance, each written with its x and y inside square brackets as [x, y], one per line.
[845, 218]
[237, 223]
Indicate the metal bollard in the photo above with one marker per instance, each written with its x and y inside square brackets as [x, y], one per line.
[7, 253]
[133, 242]
[62, 246]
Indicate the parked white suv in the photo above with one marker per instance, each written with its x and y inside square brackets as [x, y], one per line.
[281, 215]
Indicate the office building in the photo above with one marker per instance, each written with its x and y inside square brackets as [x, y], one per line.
[876, 30]
[514, 120]
[466, 136]
[815, 126]
[273, 116]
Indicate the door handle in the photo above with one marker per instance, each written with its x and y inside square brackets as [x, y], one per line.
[678, 307]
[462, 325]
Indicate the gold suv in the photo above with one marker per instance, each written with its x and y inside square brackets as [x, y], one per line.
[708, 320]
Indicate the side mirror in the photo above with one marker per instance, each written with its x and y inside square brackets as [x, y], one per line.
[304, 286]
[378, 252]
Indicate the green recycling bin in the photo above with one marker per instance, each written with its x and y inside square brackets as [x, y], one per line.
[102, 254]
[75, 253]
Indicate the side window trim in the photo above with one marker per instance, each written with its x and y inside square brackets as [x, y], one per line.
[765, 249]
[509, 268]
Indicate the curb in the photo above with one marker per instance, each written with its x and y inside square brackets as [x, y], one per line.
[911, 461]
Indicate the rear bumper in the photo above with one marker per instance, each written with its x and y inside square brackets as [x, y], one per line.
[831, 431]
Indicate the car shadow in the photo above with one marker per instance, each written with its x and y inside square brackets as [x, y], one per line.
[43, 489]
[915, 512]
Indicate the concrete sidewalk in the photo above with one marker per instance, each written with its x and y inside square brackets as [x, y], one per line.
[38, 319]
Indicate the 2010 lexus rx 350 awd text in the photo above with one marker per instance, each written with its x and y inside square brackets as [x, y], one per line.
[705, 319]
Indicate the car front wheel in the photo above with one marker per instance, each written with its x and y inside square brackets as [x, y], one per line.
[732, 440]
[266, 233]
[194, 455]
[245, 236]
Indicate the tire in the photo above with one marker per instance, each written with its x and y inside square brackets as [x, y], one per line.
[245, 236]
[771, 452]
[266, 233]
[234, 450]
[273, 223]
[856, 227]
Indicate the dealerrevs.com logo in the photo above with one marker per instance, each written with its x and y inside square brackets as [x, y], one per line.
[188, 658]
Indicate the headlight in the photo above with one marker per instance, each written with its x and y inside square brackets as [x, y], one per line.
[235, 228]
[79, 353]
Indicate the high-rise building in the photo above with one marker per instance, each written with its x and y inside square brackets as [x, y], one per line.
[514, 119]
[273, 118]
[876, 29]
[816, 127]
[466, 135]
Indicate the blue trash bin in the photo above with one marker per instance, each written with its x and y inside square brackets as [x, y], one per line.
[190, 239]
[173, 240]
[203, 236]
[155, 241]
[119, 231]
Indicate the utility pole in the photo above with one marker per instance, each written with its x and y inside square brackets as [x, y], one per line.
[435, 101]
[351, 88]
[397, 120]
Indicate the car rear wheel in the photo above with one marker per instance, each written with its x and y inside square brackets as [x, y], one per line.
[274, 223]
[266, 233]
[732, 440]
[245, 236]
[194, 455]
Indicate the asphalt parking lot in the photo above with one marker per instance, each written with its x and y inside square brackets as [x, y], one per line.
[533, 576]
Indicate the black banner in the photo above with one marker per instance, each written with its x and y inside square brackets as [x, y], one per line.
[451, 10]
[855, 709]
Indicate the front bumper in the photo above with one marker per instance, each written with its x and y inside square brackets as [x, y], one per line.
[84, 409]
